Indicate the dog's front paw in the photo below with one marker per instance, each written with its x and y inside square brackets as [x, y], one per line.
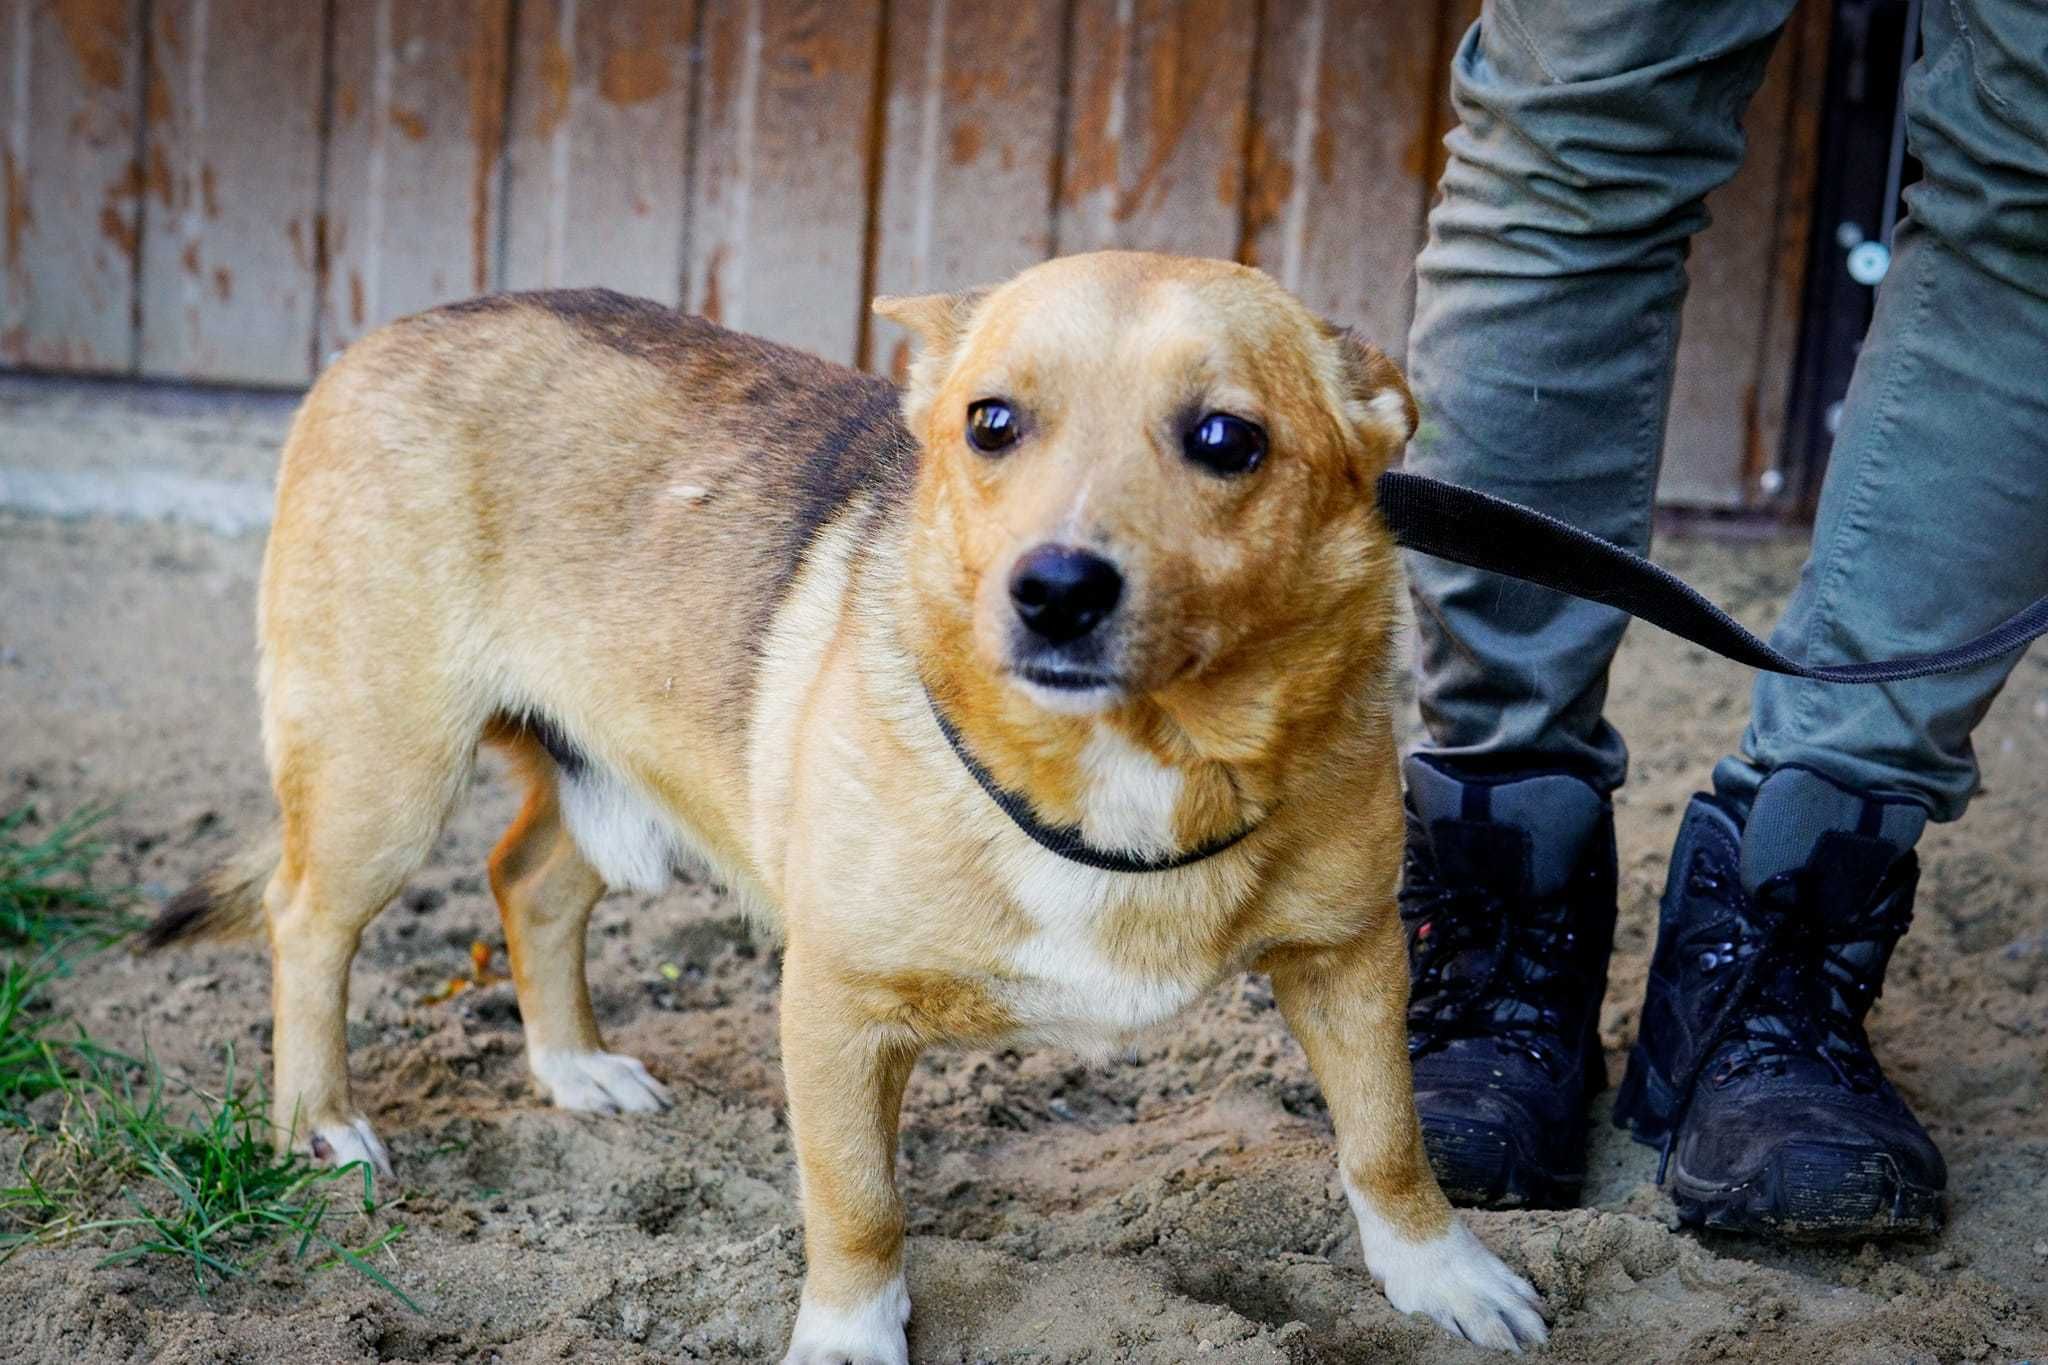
[1458, 1284]
[345, 1141]
[598, 1082]
[871, 1334]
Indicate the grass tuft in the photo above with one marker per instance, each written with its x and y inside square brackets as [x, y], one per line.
[47, 900]
[104, 1148]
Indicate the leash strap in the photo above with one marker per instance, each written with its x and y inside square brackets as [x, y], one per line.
[1480, 531]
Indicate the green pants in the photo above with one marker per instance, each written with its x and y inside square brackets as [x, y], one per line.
[1545, 327]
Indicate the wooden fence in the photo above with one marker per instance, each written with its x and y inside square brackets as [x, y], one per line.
[229, 190]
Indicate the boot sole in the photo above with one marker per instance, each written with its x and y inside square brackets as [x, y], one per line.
[1805, 1192]
[1813, 1192]
[1483, 1167]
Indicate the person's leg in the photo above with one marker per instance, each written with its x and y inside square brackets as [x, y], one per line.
[1546, 324]
[1933, 521]
[1790, 885]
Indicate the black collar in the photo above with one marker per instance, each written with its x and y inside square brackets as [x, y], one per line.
[1067, 840]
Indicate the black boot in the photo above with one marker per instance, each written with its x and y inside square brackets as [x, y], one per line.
[1751, 1070]
[1508, 902]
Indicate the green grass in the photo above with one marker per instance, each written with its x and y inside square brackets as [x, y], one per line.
[47, 900]
[111, 1149]
[40, 1051]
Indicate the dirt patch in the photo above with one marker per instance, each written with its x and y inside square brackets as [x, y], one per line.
[1177, 1204]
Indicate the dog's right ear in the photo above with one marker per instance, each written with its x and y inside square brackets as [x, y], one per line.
[937, 322]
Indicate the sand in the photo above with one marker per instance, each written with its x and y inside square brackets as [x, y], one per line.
[1177, 1204]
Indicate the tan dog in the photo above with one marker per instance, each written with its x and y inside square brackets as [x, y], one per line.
[1029, 714]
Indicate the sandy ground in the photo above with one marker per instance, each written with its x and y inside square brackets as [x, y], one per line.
[1176, 1205]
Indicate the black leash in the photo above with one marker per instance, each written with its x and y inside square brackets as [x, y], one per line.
[1484, 532]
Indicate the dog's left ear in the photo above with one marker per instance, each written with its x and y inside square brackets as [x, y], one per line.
[937, 322]
[1376, 397]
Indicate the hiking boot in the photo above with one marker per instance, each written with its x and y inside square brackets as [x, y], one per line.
[1508, 903]
[1751, 1069]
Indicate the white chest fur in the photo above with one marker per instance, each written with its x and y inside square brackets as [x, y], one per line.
[1069, 987]
[1073, 987]
[1130, 797]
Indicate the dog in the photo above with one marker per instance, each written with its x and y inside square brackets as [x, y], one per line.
[1023, 704]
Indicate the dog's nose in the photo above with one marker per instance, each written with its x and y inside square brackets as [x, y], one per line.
[1062, 593]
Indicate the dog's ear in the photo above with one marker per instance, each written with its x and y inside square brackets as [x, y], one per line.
[937, 323]
[1376, 396]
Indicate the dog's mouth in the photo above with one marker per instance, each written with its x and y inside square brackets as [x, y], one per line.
[1068, 689]
[1067, 679]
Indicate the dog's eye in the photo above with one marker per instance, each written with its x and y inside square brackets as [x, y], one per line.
[1224, 444]
[991, 426]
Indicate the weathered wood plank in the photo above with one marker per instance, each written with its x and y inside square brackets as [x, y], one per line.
[970, 142]
[1155, 147]
[597, 184]
[1340, 157]
[413, 182]
[1799, 170]
[70, 189]
[229, 289]
[1721, 420]
[784, 140]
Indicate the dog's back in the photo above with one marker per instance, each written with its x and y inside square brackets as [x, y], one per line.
[529, 491]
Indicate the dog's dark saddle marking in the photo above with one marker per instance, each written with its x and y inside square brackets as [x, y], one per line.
[1067, 840]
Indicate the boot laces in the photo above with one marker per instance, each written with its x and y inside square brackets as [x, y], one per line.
[1794, 990]
[1524, 962]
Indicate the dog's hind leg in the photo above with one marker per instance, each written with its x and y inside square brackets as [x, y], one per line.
[363, 804]
[545, 889]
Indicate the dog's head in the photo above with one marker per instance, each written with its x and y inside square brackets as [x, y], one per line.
[1136, 470]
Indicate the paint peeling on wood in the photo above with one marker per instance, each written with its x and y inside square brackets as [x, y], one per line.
[632, 76]
[414, 182]
[70, 94]
[19, 214]
[1716, 431]
[1268, 183]
[97, 32]
[964, 143]
[969, 142]
[1330, 209]
[1156, 151]
[554, 75]
[157, 102]
[712, 305]
[119, 229]
[484, 69]
[785, 126]
[596, 172]
[232, 158]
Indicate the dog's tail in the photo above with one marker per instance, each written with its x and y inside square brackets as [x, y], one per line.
[225, 903]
